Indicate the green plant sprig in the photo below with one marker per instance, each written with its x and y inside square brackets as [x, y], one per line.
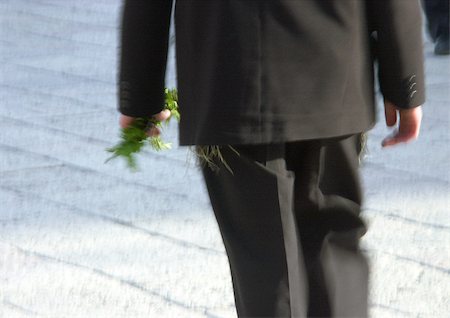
[134, 136]
[207, 154]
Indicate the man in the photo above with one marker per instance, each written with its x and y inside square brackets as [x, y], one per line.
[437, 12]
[284, 88]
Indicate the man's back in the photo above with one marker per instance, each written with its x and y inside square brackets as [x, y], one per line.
[274, 70]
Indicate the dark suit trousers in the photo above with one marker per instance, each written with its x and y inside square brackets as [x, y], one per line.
[289, 220]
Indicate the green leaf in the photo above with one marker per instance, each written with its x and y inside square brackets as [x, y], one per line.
[133, 138]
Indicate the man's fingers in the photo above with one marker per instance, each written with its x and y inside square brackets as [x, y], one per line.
[409, 127]
[153, 131]
[390, 113]
[398, 138]
[162, 116]
[124, 121]
[410, 121]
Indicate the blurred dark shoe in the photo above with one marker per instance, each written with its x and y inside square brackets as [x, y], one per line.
[442, 45]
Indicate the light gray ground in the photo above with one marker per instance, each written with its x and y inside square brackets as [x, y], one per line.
[80, 238]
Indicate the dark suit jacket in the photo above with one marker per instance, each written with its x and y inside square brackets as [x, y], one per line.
[261, 71]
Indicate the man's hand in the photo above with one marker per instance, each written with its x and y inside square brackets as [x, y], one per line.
[153, 131]
[408, 123]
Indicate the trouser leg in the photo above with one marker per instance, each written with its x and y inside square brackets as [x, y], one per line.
[250, 207]
[303, 158]
[328, 198]
[346, 266]
[293, 249]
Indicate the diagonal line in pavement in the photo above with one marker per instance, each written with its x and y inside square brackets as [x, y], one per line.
[421, 263]
[59, 39]
[180, 196]
[41, 70]
[75, 101]
[127, 224]
[393, 309]
[87, 139]
[422, 177]
[67, 7]
[67, 20]
[127, 282]
[436, 226]
[20, 308]
[408, 259]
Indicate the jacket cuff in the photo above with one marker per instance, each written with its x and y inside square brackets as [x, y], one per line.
[135, 104]
[408, 92]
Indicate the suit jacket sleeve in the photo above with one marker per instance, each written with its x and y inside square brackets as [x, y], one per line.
[399, 50]
[143, 56]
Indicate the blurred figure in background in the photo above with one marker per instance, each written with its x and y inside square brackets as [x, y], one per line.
[437, 13]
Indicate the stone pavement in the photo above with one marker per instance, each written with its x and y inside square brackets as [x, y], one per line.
[80, 238]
